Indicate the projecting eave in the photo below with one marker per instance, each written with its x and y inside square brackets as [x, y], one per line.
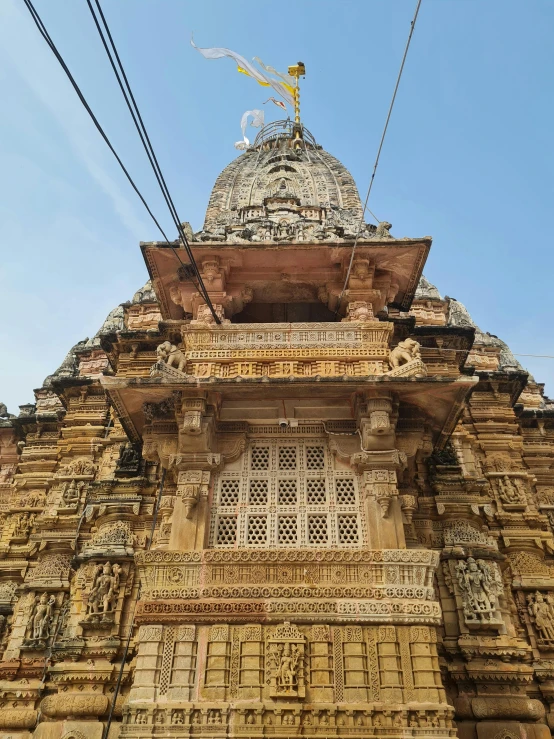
[440, 400]
[306, 268]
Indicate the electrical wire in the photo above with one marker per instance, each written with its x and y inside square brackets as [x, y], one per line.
[412, 27]
[44, 33]
[106, 730]
[125, 87]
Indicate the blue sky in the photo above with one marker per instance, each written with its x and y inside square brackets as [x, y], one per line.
[468, 157]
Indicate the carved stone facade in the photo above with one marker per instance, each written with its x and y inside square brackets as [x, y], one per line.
[331, 514]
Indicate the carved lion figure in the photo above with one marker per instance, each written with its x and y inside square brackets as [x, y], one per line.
[404, 352]
[173, 357]
[382, 230]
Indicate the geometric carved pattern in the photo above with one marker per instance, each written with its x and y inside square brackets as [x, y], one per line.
[317, 529]
[259, 458]
[258, 492]
[167, 659]
[229, 493]
[315, 458]
[315, 489]
[287, 494]
[226, 530]
[287, 458]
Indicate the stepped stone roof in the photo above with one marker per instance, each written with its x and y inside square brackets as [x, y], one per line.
[114, 321]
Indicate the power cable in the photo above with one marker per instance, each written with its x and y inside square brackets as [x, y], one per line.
[412, 27]
[44, 33]
[106, 730]
[127, 93]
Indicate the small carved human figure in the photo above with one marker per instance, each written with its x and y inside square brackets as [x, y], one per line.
[128, 455]
[72, 491]
[23, 525]
[286, 676]
[129, 459]
[171, 355]
[38, 625]
[404, 352]
[177, 718]
[104, 592]
[542, 613]
[140, 718]
[511, 490]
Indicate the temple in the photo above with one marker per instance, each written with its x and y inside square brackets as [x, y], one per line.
[325, 512]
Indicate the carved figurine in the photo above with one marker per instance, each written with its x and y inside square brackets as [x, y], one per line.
[23, 525]
[38, 625]
[543, 615]
[171, 355]
[71, 491]
[383, 230]
[404, 352]
[287, 669]
[177, 718]
[104, 592]
[479, 589]
[129, 459]
[510, 490]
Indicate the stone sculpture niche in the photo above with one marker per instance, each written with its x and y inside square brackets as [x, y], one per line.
[40, 621]
[285, 662]
[480, 585]
[103, 596]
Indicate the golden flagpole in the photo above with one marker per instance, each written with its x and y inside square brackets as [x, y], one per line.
[297, 71]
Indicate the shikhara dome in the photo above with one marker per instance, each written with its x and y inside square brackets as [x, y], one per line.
[284, 187]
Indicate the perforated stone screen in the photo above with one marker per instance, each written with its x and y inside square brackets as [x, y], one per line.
[287, 494]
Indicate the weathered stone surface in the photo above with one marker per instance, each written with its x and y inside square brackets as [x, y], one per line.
[324, 527]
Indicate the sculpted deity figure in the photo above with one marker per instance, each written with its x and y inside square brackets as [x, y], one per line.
[105, 589]
[542, 612]
[38, 625]
[510, 490]
[72, 491]
[287, 668]
[23, 525]
[478, 589]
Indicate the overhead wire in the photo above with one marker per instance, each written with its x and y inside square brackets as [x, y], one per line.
[44, 33]
[399, 77]
[130, 100]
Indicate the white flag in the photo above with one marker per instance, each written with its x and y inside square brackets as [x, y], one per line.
[257, 122]
[283, 89]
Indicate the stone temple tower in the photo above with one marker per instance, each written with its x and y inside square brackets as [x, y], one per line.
[326, 514]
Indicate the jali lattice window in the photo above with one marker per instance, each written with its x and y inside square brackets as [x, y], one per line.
[287, 494]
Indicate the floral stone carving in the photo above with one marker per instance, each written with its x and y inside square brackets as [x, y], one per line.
[285, 662]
